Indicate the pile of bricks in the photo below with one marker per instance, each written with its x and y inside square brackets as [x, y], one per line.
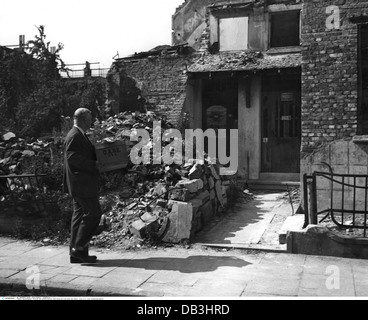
[17, 155]
[192, 203]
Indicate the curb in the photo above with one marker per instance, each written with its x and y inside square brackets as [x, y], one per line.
[56, 289]
[244, 247]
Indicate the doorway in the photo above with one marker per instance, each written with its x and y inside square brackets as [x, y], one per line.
[281, 124]
[220, 105]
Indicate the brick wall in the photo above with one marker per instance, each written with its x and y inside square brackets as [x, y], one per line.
[158, 82]
[329, 73]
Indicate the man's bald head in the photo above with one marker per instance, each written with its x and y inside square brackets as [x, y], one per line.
[83, 118]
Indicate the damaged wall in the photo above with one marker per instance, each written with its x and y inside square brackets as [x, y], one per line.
[156, 83]
[188, 22]
[193, 16]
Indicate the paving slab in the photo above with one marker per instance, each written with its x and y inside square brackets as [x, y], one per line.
[6, 273]
[246, 223]
[83, 281]
[192, 272]
[274, 286]
[88, 271]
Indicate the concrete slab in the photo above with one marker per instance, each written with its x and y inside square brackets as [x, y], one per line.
[288, 260]
[245, 224]
[43, 252]
[316, 286]
[124, 278]
[221, 287]
[88, 271]
[272, 286]
[292, 223]
[19, 263]
[6, 273]
[64, 278]
[83, 281]
[175, 278]
[6, 252]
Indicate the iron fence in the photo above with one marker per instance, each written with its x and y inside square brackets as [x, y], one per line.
[341, 197]
[79, 73]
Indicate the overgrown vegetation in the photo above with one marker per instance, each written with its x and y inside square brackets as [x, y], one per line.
[33, 96]
[34, 99]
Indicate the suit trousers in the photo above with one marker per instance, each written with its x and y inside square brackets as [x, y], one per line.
[85, 221]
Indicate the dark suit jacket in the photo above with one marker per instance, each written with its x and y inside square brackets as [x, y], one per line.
[80, 172]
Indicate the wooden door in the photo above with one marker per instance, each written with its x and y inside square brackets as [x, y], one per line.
[281, 131]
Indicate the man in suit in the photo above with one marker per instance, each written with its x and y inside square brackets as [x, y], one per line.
[81, 182]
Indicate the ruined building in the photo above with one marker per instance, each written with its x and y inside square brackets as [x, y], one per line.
[233, 65]
[290, 75]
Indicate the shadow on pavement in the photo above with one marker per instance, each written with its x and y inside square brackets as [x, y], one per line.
[190, 264]
[242, 215]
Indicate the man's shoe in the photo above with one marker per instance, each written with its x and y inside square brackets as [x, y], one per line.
[87, 260]
[86, 253]
[81, 257]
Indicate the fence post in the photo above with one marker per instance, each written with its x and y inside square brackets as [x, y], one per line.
[311, 201]
[306, 202]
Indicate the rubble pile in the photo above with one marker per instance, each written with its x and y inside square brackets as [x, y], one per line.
[158, 202]
[154, 202]
[16, 154]
[28, 157]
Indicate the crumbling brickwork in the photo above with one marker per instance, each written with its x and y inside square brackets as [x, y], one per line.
[330, 71]
[157, 81]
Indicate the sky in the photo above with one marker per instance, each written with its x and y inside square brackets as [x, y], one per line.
[90, 30]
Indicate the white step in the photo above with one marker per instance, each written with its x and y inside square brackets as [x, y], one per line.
[272, 185]
[292, 223]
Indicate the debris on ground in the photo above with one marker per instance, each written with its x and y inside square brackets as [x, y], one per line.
[137, 201]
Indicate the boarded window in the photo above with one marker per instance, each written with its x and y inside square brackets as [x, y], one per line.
[234, 33]
[285, 29]
[363, 79]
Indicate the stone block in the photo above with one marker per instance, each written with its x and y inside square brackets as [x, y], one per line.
[192, 185]
[215, 171]
[218, 189]
[179, 195]
[142, 225]
[204, 196]
[215, 206]
[211, 182]
[207, 212]
[196, 203]
[196, 172]
[197, 214]
[161, 203]
[138, 228]
[292, 223]
[148, 218]
[320, 241]
[213, 194]
[159, 189]
[180, 222]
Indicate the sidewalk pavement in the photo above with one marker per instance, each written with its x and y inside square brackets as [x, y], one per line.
[197, 272]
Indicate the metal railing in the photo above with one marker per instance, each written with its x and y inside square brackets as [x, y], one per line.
[79, 73]
[86, 71]
[345, 197]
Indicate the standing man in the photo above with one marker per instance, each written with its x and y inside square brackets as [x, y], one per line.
[81, 182]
